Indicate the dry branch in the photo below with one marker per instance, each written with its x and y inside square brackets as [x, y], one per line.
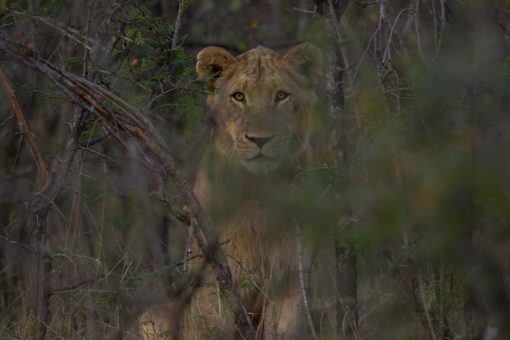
[305, 290]
[121, 116]
[24, 126]
[177, 27]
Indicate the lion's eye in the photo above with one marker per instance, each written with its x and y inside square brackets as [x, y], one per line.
[281, 95]
[238, 96]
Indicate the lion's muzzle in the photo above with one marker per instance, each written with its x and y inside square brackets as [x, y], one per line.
[258, 140]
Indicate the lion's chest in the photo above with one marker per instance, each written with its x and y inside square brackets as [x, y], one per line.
[259, 239]
[258, 243]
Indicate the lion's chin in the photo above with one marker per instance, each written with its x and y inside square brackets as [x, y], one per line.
[260, 165]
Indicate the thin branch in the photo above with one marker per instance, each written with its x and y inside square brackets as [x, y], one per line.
[177, 26]
[362, 58]
[443, 13]
[426, 310]
[76, 285]
[190, 257]
[303, 284]
[411, 17]
[387, 51]
[6, 120]
[67, 31]
[93, 141]
[24, 126]
[18, 244]
[417, 31]
[87, 67]
[300, 10]
[189, 241]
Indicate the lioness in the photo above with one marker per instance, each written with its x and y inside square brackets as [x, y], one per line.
[261, 103]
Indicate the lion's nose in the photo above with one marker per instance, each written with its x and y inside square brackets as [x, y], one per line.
[260, 141]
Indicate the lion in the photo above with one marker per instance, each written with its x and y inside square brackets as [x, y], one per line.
[261, 104]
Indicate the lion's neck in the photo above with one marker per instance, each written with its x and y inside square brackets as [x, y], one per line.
[249, 212]
[222, 182]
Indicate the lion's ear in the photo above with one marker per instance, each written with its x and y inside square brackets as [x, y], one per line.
[307, 59]
[211, 61]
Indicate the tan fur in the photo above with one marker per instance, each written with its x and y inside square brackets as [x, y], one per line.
[243, 185]
[158, 322]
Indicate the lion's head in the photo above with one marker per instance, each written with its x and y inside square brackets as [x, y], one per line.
[261, 102]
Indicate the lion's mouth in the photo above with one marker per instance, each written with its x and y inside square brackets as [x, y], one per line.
[260, 156]
[260, 163]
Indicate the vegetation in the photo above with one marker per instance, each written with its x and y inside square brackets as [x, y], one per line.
[102, 124]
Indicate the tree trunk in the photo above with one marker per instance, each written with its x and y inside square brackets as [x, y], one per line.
[346, 259]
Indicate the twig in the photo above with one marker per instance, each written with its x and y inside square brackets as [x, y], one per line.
[10, 333]
[365, 52]
[86, 67]
[67, 31]
[24, 126]
[300, 10]
[177, 26]
[303, 284]
[382, 11]
[417, 30]
[426, 310]
[442, 28]
[18, 244]
[99, 154]
[76, 285]
[190, 257]
[189, 241]
[387, 50]
[93, 141]
[443, 14]
[184, 262]
[411, 17]
[380, 26]
[6, 120]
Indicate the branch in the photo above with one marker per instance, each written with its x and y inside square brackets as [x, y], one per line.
[24, 126]
[177, 26]
[72, 287]
[122, 116]
[93, 141]
[303, 284]
[69, 32]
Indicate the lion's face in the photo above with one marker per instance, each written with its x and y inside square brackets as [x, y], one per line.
[261, 102]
